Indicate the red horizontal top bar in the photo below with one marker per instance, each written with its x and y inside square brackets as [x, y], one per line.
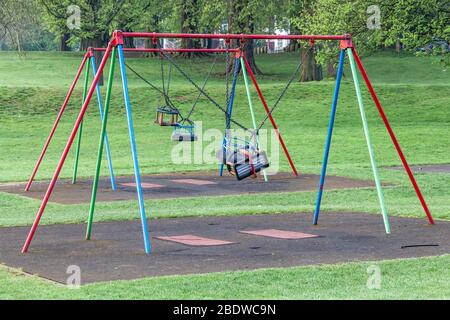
[230, 36]
[171, 50]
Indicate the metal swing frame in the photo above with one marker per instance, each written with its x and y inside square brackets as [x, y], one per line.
[115, 49]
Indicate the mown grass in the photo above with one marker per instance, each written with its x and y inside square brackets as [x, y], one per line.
[425, 278]
[414, 92]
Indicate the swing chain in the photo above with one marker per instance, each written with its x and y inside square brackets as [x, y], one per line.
[227, 71]
[165, 92]
[203, 87]
[201, 90]
[150, 84]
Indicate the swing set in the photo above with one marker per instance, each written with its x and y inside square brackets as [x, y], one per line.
[241, 157]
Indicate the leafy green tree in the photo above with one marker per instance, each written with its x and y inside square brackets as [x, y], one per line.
[242, 19]
[54, 16]
[189, 14]
[333, 17]
[241, 16]
[97, 20]
[20, 27]
[414, 23]
[411, 22]
[153, 16]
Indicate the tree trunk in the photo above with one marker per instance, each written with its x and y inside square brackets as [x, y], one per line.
[189, 23]
[96, 42]
[398, 46]
[310, 70]
[63, 42]
[250, 55]
[293, 44]
[331, 69]
[148, 44]
[240, 21]
[128, 42]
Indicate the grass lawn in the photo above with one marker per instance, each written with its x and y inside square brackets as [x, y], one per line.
[425, 278]
[414, 91]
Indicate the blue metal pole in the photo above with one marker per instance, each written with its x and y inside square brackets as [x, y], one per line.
[230, 110]
[133, 149]
[330, 134]
[100, 106]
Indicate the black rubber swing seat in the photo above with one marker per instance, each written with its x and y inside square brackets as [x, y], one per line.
[167, 111]
[243, 163]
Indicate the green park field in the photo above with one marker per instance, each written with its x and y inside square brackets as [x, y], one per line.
[414, 91]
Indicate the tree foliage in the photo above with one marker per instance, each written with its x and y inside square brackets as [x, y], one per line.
[20, 27]
[413, 23]
[98, 19]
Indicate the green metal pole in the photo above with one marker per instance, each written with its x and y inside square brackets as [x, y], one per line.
[387, 225]
[101, 143]
[250, 104]
[80, 130]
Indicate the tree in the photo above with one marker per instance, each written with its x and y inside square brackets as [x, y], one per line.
[310, 70]
[241, 19]
[153, 16]
[18, 24]
[97, 20]
[189, 12]
[292, 8]
[413, 22]
[252, 16]
[334, 17]
[54, 15]
[241, 16]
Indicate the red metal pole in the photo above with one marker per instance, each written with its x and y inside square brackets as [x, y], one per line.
[66, 150]
[172, 50]
[55, 124]
[156, 35]
[393, 137]
[250, 72]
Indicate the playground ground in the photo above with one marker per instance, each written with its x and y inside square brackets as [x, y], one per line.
[225, 244]
[167, 186]
[350, 238]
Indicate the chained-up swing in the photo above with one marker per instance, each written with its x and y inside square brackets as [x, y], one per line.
[168, 109]
[168, 114]
[241, 157]
[183, 127]
[245, 148]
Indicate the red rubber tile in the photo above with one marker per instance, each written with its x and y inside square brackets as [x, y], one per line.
[145, 185]
[194, 181]
[280, 234]
[191, 240]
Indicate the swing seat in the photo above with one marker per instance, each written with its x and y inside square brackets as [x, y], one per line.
[243, 163]
[250, 167]
[184, 133]
[161, 112]
[186, 136]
